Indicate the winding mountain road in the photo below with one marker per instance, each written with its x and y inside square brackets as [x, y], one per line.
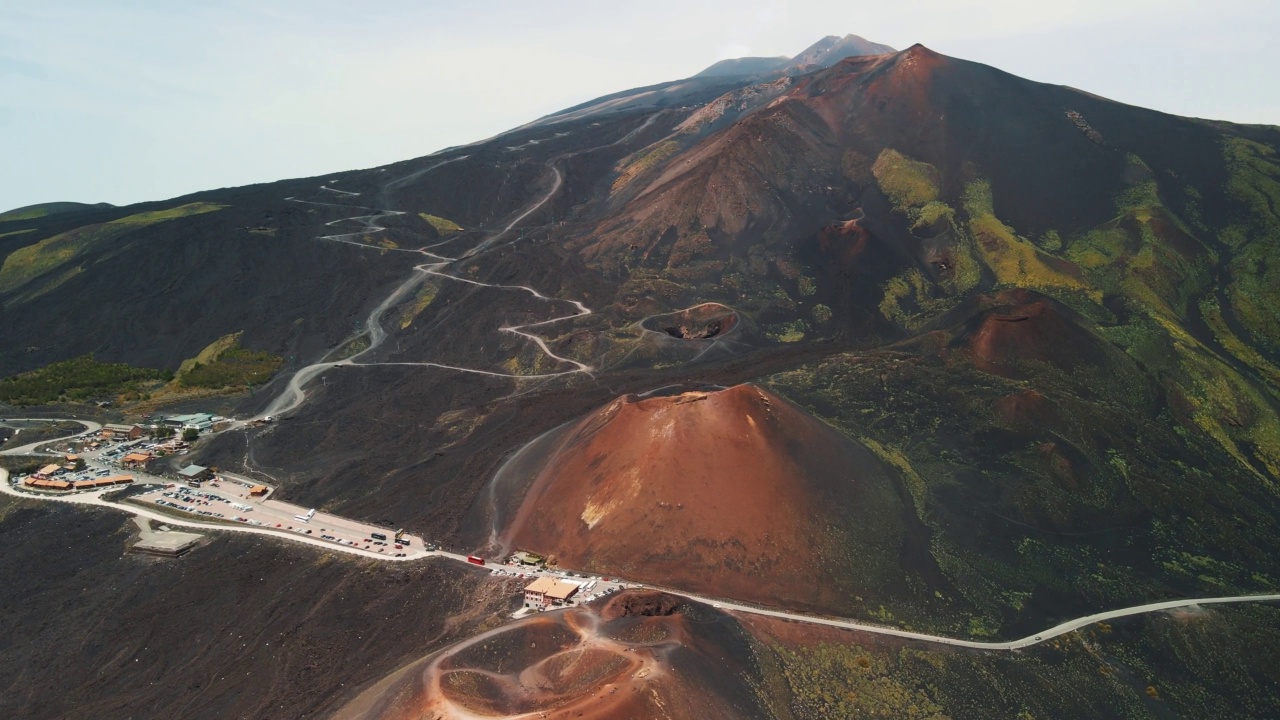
[294, 393]
[1028, 641]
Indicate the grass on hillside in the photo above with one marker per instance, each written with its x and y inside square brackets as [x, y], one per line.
[641, 161]
[1015, 262]
[1253, 186]
[74, 380]
[442, 225]
[30, 262]
[907, 183]
[421, 301]
[225, 364]
[16, 232]
[28, 214]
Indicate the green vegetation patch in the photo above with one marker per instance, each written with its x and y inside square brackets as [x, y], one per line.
[424, 297]
[1212, 314]
[791, 332]
[1058, 460]
[16, 232]
[27, 263]
[847, 681]
[1253, 181]
[28, 214]
[642, 161]
[907, 300]
[75, 380]
[908, 183]
[1205, 664]
[224, 364]
[1014, 261]
[442, 225]
[1253, 186]
[1229, 409]
[933, 214]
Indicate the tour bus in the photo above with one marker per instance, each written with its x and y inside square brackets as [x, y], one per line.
[475, 559]
[306, 518]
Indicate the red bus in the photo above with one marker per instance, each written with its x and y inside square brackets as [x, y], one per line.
[475, 559]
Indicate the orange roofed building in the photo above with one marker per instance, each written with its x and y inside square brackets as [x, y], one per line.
[133, 459]
[103, 482]
[546, 591]
[38, 482]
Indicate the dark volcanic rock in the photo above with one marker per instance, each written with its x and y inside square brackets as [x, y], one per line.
[641, 604]
[240, 627]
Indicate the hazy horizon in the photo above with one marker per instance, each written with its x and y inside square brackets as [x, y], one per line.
[152, 101]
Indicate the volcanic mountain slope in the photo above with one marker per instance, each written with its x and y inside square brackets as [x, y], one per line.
[1040, 255]
[31, 212]
[940, 177]
[235, 629]
[153, 284]
[1194, 663]
[1050, 317]
[735, 493]
[1061, 464]
[652, 655]
[642, 656]
[926, 252]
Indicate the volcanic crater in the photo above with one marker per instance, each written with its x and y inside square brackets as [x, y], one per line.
[643, 655]
[700, 322]
[734, 493]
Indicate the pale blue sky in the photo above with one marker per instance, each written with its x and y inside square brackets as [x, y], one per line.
[145, 100]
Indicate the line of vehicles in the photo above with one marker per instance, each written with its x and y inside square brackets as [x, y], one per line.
[190, 500]
[194, 498]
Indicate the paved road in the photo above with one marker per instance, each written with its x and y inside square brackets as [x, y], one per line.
[95, 499]
[89, 427]
[1035, 639]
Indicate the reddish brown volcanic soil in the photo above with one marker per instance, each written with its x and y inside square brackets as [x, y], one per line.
[684, 661]
[736, 494]
[1022, 326]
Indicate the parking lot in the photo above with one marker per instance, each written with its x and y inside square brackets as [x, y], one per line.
[226, 497]
[229, 500]
[235, 500]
